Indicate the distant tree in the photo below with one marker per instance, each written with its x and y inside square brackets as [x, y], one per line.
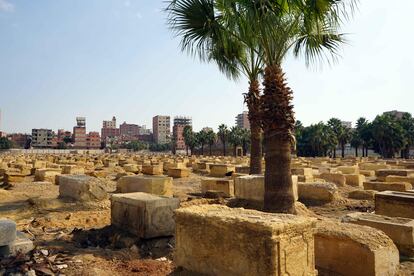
[67, 139]
[188, 136]
[388, 135]
[223, 135]
[235, 138]
[356, 141]
[316, 140]
[137, 145]
[211, 139]
[5, 143]
[159, 147]
[246, 140]
[202, 139]
[407, 124]
[338, 129]
[62, 145]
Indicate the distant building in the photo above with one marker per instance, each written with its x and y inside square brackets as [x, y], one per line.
[144, 130]
[207, 129]
[43, 138]
[79, 133]
[346, 124]
[396, 113]
[178, 131]
[242, 120]
[93, 140]
[19, 139]
[161, 129]
[129, 130]
[109, 129]
[64, 136]
[3, 134]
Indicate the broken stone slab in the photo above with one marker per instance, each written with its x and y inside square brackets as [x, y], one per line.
[362, 194]
[11, 177]
[373, 166]
[178, 173]
[251, 187]
[152, 184]
[144, 215]
[133, 168]
[383, 173]
[7, 231]
[318, 192]
[217, 240]
[221, 170]
[349, 249]
[395, 204]
[21, 245]
[82, 188]
[367, 173]
[225, 185]
[48, 174]
[336, 178]
[400, 230]
[387, 186]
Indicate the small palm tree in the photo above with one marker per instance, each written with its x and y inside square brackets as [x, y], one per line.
[223, 135]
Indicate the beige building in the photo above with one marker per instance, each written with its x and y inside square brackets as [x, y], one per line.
[161, 126]
[42, 138]
[109, 124]
[242, 120]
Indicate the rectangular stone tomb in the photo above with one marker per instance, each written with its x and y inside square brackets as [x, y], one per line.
[152, 184]
[400, 230]
[387, 186]
[152, 169]
[395, 204]
[225, 185]
[383, 173]
[82, 188]
[220, 170]
[217, 240]
[178, 173]
[317, 192]
[144, 215]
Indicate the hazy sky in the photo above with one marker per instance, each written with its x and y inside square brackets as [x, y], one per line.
[97, 58]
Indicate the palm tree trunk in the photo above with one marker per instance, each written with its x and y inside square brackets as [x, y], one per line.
[202, 149]
[343, 150]
[252, 100]
[224, 148]
[356, 151]
[278, 124]
[210, 150]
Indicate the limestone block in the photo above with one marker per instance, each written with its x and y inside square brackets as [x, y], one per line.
[383, 173]
[134, 168]
[7, 231]
[220, 170]
[225, 185]
[21, 245]
[336, 178]
[178, 173]
[144, 215]
[152, 169]
[302, 171]
[157, 185]
[319, 192]
[367, 173]
[11, 177]
[400, 230]
[251, 187]
[395, 204]
[243, 169]
[373, 166]
[362, 194]
[72, 169]
[305, 178]
[387, 186]
[354, 179]
[395, 178]
[48, 174]
[348, 249]
[348, 169]
[82, 188]
[217, 240]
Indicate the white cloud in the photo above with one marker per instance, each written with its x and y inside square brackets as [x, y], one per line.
[6, 6]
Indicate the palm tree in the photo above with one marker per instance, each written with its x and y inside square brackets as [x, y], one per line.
[235, 138]
[338, 129]
[211, 139]
[223, 135]
[356, 141]
[202, 139]
[190, 138]
[246, 141]
[194, 20]
[388, 135]
[272, 29]
[363, 127]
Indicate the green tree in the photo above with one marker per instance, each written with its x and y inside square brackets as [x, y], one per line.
[202, 139]
[5, 143]
[272, 29]
[211, 139]
[189, 138]
[407, 124]
[364, 129]
[316, 140]
[338, 129]
[388, 135]
[356, 141]
[235, 138]
[246, 142]
[137, 145]
[223, 135]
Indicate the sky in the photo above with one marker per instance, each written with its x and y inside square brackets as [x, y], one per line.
[60, 59]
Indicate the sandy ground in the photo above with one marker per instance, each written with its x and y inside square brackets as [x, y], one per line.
[76, 239]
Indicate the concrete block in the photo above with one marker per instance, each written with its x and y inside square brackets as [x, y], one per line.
[82, 188]
[400, 230]
[21, 245]
[387, 186]
[72, 169]
[178, 173]
[144, 215]
[152, 169]
[7, 231]
[395, 204]
[348, 249]
[220, 170]
[354, 179]
[157, 185]
[336, 178]
[133, 168]
[217, 240]
[225, 185]
[48, 174]
[318, 192]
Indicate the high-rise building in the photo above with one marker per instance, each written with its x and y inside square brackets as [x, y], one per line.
[161, 129]
[109, 124]
[242, 120]
[129, 131]
[43, 138]
[79, 133]
[93, 140]
[180, 123]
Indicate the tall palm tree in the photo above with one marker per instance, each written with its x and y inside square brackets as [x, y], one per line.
[202, 139]
[223, 135]
[235, 138]
[272, 29]
[195, 21]
[211, 138]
